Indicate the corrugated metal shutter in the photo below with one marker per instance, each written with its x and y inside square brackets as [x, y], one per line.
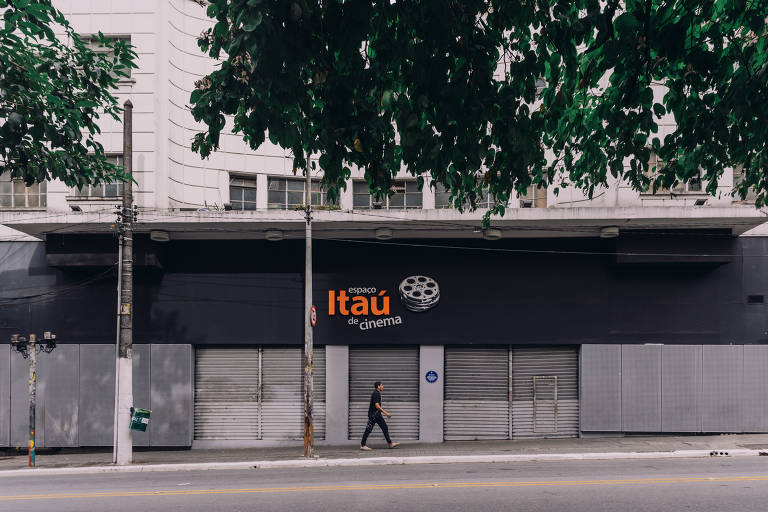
[398, 369]
[318, 395]
[476, 399]
[282, 406]
[553, 410]
[226, 393]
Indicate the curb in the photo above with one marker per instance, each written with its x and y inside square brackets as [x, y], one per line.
[377, 461]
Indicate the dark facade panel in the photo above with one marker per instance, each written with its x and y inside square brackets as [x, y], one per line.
[641, 388]
[600, 376]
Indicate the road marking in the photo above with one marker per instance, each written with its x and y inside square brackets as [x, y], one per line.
[383, 487]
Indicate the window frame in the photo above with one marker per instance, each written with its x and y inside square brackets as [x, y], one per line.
[318, 192]
[243, 183]
[76, 194]
[386, 202]
[485, 201]
[92, 42]
[15, 185]
[681, 189]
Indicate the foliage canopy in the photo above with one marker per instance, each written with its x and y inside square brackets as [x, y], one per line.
[53, 87]
[495, 94]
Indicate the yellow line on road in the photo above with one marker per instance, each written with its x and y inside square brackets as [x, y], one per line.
[383, 487]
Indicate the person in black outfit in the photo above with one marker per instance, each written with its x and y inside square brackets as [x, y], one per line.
[375, 411]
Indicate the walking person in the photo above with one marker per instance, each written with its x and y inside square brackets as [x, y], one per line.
[375, 411]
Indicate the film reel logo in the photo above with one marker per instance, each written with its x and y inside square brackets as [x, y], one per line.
[419, 293]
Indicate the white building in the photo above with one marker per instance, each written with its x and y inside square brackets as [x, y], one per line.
[571, 304]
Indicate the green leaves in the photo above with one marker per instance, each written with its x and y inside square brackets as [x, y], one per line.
[51, 94]
[494, 99]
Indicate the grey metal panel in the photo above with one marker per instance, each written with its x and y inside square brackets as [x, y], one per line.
[171, 395]
[141, 388]
[755, 389]
[337, 393]
[600, 377]
[555, 410]
[431, 394]
[721, 401]
[641, 388]
[476, 393]
[97, 395]
[5, 395]
[20, 404]
[282, 405]
[398, 368]
[227, 393]
[58, 383]
[681, 388]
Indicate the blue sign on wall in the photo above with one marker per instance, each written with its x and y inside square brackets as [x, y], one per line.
[431, 376]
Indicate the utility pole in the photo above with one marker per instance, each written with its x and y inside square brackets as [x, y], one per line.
[309, 441]
[28, 350]
[123, 452]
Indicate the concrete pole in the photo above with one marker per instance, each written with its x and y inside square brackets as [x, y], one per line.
[124, 378]
[32, 347]
[309, 441]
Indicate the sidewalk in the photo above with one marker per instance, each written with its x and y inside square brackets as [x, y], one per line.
[81, 461]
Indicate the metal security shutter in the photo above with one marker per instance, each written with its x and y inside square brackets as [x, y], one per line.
[545, 392]
[318, 394]
[476, 400]
[398, 369]
[226, 393]
[282, 406]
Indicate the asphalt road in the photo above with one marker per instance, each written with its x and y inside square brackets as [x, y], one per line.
[702, 485]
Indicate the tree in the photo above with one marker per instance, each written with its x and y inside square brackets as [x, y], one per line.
[495, 94]
[52, 93]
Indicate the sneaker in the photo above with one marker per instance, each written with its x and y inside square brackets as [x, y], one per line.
[394, 445]
[366, 448]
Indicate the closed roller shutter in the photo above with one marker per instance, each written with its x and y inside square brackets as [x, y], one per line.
[318, 395]
[226, 393]
[282, 406]
[545, 392]
[476, 393]
[229, 406]
[398, 369]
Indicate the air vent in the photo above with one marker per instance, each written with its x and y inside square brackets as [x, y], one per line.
[755, 299]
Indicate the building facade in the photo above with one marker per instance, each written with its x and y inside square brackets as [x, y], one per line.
[624, 313]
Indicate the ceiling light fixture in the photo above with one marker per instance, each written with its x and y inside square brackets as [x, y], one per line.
[273, 235]
[609, 232]
[158, 235]
[492, 234]
[384, 234]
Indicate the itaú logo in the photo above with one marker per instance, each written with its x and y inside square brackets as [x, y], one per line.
[358, 305]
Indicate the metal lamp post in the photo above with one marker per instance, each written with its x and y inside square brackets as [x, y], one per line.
[28, 349]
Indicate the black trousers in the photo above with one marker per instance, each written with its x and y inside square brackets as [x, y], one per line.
[378, 419]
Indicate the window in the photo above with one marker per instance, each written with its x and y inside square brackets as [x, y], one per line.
[288, 194]
[655, 165]
[406, 196]
[14, 194]
[443, 198]
[535, 197]
[242, 193]
[102, 190]
[738, 177]
[94, 44]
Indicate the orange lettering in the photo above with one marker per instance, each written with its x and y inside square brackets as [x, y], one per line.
[359, 305]
[331, 302]
[374, 304]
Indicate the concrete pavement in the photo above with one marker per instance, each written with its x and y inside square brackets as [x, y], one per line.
[75, 461]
